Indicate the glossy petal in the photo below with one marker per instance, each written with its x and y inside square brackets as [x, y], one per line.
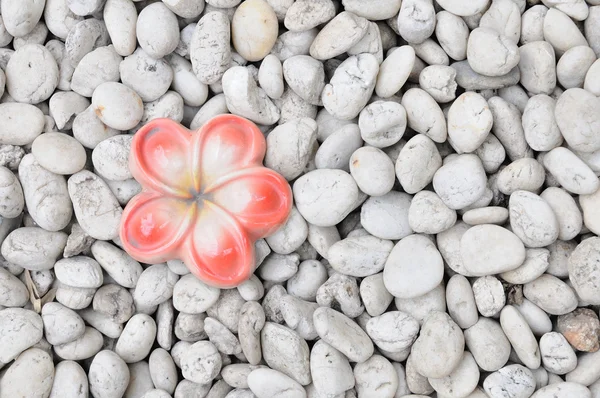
[160, 158]
[258, 197]
[153, 226]
[225, 144]
[218, 250]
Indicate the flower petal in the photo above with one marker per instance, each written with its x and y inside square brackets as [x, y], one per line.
[260, 199]
[224, 144]
[218, 250]
[153, 225]
[160, 157]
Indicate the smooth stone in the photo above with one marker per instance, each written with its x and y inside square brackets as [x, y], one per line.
[413, 268]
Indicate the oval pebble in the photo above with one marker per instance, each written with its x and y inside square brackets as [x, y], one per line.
[386, 217]
[271, 383]
[413, 268]
[577, 114]
[551, 294]
[571, 172]
[342, 333]
[532, 219]
[372, 170]
[563, 390]
[515, 380]
[440, 346]
[254, 29]
[59, 153]
[584, 269]
[488, 344]
[39, 184]
[96, 208]
[19, 330]
[137, 338]
[461, 182]
[330, 369]
[61, 324]
[117, 263]
[20, 123]
[108, 375]
[117, 105]
[325, 197]
[32, 374]
[33, 248]
[31, 74]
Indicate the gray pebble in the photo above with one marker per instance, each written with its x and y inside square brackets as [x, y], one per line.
[85, 346]
[19, 330]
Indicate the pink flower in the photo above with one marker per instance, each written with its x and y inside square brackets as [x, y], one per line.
[206, 197]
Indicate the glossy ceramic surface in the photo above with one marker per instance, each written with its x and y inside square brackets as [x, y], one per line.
[206, 197]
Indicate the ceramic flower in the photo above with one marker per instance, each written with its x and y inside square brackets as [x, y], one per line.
[206, 197]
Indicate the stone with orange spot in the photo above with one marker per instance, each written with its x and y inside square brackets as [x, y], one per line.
[581, 328]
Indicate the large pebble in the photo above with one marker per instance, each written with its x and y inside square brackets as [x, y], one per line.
[382, 123]
[157, 18]
[376, 376]
[20, 123]
[155, 285]
[417, 163]
[210, 51]
[523, 174]
[416, 20]
[284, 350]
[33, 248]
[117, 105]
[39, 184]
[563, 390]
[137, 338]
[111, 158]
[393, 331]
[343, 333]
[571, 172]
[11, 194]
[461, 302]
[108, 375]
[254, 29]
[539, 125]
[325, 197]
[351, 86]
[562, 32]
[289, 147]
[538, 67]
[96, 67]
[394, 71]
[584, 269]
[372, 170]
[31, 74]
[96, 208]
[19, 330]
[336, 150]
[490, 53]
[413, 268]
[513, 380]
[460, 182]
[424, 114]
[69, 380]
[386, 216]
[330, 369]
[577, 115]
[150, 78]
[339, 35]
[271, 383]
[521, 337]
[59, 153]
[440, 346]
[463, 379]
[359, 256]
[557, 355]
[120, 17]
[31, 375]
[508, 128]
[304, 15]
[469, 122]
[532, 219]
[566, 211]
[61, 324]
[123, 269]
[551, 294]
[13, 293]
[488, 344]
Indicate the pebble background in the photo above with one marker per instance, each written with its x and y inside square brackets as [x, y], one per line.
[444, 157]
